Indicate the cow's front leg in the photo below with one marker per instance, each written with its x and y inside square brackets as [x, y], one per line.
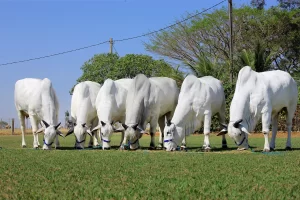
[206, 131]
[124, 142]
[153, 126]
[34, 125]
[266, 119]
[183, 144]
[57, 145]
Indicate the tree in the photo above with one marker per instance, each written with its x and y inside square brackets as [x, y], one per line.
[289, 4]
[259, 4]
[259, 59]
[206, 36]
[104, 66]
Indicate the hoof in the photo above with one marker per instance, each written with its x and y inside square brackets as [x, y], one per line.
[23, 146]
[272, 149]
[288, 148]
[39, 146]
[151, 148]
[106, 148]
[182, 147]
[97, 147]
[36, 148]
[224, 146]
[207, 149]
[266, 150]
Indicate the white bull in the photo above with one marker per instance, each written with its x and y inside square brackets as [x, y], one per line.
[148, 101]
[84, 113]
[199, 100]
[36, 99]
[261, 96]
[111, 107]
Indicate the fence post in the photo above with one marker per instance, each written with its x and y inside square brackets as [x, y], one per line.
[12, 126]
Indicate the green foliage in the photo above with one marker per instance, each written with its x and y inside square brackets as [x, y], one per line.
[104, 66]
[143, 174]
[206, 36]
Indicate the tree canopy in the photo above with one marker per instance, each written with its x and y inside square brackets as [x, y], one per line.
[207, 35]
[104, 66]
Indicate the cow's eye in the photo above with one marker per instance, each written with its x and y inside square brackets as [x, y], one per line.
[168, 133]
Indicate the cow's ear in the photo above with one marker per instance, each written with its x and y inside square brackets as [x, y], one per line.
[222, 132]
[89, 132]
[56, 127]
[135, 127]
[125, 126]
[59, 133]
[103, 123]
[40, 130]
[168, 122]
[45, 123]
[236, 124]
[70, 131]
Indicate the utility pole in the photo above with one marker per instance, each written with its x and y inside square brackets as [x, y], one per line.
[231, 40]
[111, 42]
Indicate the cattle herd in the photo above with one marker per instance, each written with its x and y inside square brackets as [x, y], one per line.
[157, 100]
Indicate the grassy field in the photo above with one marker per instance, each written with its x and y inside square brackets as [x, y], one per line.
[143, 174]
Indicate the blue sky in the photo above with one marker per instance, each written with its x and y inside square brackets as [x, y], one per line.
[33, 28]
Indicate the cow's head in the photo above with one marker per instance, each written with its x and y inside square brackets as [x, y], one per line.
[106, 130]
[133, 133]
[239, 133]
[80, 131]
[171, 136]
[50, 133]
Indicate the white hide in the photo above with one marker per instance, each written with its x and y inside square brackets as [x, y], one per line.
[36, 99]
[148, 101]
[84, 113]
[199, 100]
[111, 107]
[261, 96]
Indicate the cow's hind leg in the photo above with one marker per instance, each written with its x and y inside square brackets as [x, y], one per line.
[274, 131]
[23, 128]
[207, 122]
[289, 124]
[266, 120]
[161, 124]
[221, 116]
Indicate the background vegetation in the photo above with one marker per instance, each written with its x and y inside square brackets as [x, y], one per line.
[263, 38]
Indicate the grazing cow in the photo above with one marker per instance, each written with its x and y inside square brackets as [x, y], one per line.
[111, 107]
[36, 99]
[148, 101]
[199, 100]
[84, 113]
[261, 95]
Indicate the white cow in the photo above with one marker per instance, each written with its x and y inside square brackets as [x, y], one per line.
[111, 107]
[261, 96]
[36, 99]
[199, 100]
[84, 113]
[148, 101]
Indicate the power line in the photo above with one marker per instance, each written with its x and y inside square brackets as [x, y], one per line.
[116, 50]
[119, 40]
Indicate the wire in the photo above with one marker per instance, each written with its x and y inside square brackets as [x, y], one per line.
[119, 40]
[152, 32]
[116, 50]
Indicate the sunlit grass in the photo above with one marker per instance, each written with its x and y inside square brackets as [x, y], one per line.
[143, 174]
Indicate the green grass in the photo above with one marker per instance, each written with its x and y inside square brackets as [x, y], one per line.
[143, 174]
